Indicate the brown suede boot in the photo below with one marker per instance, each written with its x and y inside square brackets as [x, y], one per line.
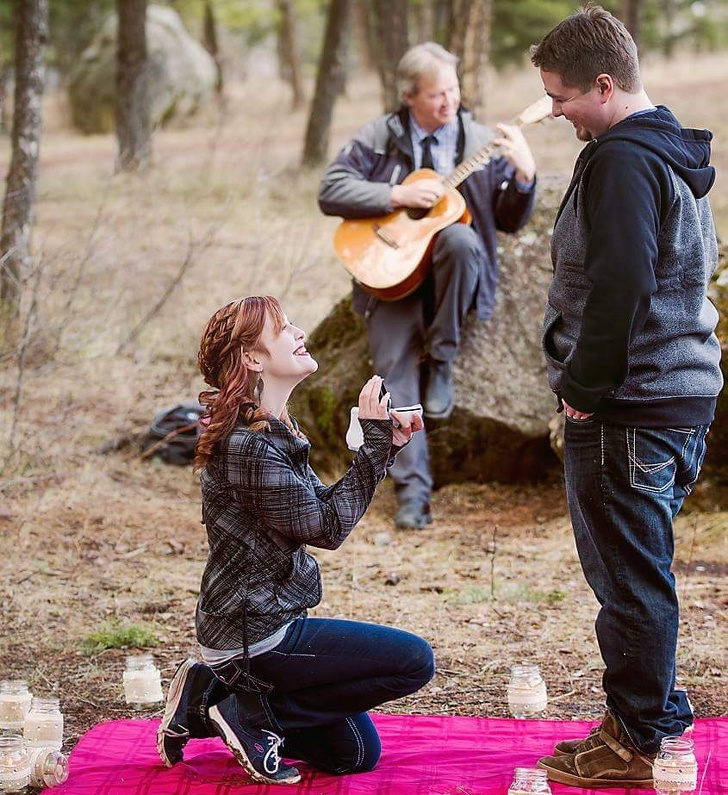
[569, 746]
[606, 758]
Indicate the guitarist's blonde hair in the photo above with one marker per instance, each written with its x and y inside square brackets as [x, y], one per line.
[422, 59]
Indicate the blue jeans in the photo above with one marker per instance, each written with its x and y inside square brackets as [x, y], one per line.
[624, 487]
[316, 686]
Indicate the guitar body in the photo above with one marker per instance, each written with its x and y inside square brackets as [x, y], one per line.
[390, 255]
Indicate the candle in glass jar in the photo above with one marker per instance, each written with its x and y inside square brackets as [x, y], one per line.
[142, 681]
[15, 701]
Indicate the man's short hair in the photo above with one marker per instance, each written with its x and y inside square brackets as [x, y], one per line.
[419, 61]
[587, 44]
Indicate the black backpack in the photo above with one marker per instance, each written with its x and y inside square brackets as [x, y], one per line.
[173, 434]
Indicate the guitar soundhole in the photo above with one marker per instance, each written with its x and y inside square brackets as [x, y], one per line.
[416, 213]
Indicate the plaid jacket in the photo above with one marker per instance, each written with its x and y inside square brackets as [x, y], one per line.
[261, 504]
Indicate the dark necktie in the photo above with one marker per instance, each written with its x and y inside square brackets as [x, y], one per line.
[426, 144]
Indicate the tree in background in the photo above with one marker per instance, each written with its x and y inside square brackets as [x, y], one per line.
[390, 42]
[328, 83]
[289, 53]
[133, 126]
[469, 40]
[631, 14]
[209, 40]
[31, 34]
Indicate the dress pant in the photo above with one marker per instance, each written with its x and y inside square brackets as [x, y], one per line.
[426, 324]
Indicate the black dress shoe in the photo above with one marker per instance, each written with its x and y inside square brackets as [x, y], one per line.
[413, 515]
[438, 403]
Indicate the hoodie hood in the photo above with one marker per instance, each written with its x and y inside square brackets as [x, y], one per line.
[685, 150]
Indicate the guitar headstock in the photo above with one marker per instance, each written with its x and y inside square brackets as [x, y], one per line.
[538, 111]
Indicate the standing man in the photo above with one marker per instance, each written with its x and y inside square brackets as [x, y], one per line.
[633, 358]
[414, 341]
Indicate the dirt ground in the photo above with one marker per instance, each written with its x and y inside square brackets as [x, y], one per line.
[493, 582]
[95, 542]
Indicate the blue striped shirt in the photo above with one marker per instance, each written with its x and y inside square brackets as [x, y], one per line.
[443, 152]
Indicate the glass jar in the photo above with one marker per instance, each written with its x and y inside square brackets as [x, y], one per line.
[15, 701]
[43, 726]
[14, 764]
[527, 780]
[48, 768]
[675, 771]
[526, 692]
[142, 681]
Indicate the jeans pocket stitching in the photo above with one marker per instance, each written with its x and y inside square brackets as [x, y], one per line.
[637, 466]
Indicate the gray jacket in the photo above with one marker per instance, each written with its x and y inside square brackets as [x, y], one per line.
[629, 330]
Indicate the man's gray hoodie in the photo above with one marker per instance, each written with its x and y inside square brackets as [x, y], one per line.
[629, 333]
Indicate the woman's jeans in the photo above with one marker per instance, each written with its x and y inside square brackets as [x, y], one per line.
[624, 487]
[316, 686]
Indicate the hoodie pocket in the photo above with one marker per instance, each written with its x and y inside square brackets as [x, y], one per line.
[555, 346]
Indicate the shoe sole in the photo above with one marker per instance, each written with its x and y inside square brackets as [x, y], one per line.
[233, 743]
[593, 783]
[174, 696]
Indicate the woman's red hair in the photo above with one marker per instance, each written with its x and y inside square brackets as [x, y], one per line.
[235, 329]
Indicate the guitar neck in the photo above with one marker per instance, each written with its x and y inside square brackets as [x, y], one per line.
[466, 168]
[480, 158]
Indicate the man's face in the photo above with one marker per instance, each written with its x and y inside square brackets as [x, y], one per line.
[585, 110]
[437, 99]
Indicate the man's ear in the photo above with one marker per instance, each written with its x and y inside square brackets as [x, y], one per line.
[605, 84]
[252, 363]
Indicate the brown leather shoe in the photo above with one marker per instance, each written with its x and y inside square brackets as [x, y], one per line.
[606, 758]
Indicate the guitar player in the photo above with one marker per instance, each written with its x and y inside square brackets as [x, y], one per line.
[414, 340]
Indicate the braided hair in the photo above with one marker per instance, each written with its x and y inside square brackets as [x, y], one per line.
[234, 330]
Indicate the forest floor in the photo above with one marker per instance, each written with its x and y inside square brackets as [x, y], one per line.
[97, 544]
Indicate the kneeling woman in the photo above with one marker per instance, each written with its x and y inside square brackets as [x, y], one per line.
[270, 672]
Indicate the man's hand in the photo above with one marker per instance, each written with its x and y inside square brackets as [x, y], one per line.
[516, 151]
[575, 414]
[421, 194]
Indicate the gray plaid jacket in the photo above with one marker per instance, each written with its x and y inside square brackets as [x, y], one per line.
[261, 504]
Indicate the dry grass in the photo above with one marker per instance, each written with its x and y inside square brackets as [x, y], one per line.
[89, 539]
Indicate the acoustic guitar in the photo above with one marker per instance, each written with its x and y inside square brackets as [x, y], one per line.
[389, 255]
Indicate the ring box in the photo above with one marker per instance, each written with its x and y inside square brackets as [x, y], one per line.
[354, 434]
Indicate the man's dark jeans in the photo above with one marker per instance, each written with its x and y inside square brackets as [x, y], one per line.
[624, 487]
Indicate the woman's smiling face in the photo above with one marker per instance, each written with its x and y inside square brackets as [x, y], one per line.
[284, 355]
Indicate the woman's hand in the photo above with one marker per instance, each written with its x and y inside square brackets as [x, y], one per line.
[406, 423]
[371, 405]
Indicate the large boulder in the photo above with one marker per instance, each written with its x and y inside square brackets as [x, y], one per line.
[504, 426]
[499, 429]
[182, 74]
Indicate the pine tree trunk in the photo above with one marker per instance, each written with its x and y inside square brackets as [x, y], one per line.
[328, 82]
[469, 37]
[289, 52]
[209, 36]
[631, 14]
[391, 30]
[31, 35]
[133, 125]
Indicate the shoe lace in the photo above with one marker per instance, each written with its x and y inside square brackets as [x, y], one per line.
[271, 760]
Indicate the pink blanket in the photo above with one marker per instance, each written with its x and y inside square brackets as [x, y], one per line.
[422, 755]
